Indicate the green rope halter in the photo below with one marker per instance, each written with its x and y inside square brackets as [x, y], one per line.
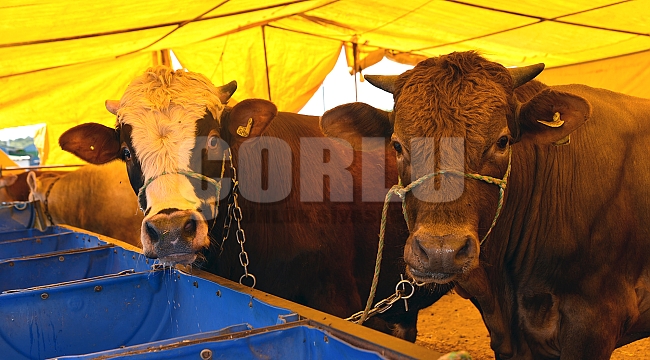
[401, 191]
[192, 174]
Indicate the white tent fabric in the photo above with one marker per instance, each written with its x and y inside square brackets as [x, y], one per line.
[60, 59]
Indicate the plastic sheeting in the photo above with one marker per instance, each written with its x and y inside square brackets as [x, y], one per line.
[59, 60]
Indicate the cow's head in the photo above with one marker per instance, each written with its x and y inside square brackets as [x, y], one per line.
[7, 180]
[172, 132]
[453, 116]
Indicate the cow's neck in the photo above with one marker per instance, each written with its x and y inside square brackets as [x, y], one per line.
[534, 202]
[516, 247]
[219, 255]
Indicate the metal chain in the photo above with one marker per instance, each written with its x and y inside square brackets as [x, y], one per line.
[234, 212]
[383, 305]
[228, 221]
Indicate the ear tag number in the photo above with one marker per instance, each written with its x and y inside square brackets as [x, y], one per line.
[245, 131]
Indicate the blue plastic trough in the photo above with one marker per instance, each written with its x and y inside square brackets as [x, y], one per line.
[70, 294]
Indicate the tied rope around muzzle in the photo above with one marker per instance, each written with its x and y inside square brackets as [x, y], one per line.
[401, 191]
[192, 174]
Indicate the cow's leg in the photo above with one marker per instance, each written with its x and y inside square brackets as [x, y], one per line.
[379, 324]
[590, 328]
[406, 328]
[571, 326]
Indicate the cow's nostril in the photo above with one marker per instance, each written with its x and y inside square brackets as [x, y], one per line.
[152, 232]
[465, 251]
[420, 250]
[190, 227]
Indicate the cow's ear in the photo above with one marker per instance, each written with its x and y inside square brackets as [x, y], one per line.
[91, 142]
[249, 119]
[352, 122]
[8, 180]
[33, 184]
[550, 116]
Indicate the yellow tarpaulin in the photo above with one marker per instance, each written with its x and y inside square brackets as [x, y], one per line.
[59, 60]
[5, 162]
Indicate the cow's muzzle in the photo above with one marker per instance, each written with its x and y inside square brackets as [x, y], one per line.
[440, 258]
[174, 236]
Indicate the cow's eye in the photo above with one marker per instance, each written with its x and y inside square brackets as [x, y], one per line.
[126, 154]
[503, 141]
[213, 142]
[397, 146]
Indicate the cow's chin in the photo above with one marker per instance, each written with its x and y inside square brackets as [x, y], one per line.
[181, 258]
[429, 277]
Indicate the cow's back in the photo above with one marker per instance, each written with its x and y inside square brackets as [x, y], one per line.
[98, 198]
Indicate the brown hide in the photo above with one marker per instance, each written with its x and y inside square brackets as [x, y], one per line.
[565, 271]
[576, 231]
[96, 198]
[15, 187]
[326, 248]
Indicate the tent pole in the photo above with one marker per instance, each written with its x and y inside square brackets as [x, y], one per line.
[266, 63]
[355, 57]
[165, 57]
[161, 57]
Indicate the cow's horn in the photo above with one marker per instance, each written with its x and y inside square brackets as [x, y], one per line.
[226, 91]
[384, 82]
[524, 74]
[112, 106]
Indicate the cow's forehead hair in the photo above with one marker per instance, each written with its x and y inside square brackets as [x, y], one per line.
[162, 107]
[455, 95]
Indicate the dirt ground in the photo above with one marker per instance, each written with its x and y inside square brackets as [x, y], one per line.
[454, 324]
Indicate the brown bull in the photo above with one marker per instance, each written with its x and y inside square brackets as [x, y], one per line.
[550, 231]
[302, 238]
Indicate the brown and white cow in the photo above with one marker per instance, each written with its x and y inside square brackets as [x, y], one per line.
[308, 240]
[94, 197]
[565, 270]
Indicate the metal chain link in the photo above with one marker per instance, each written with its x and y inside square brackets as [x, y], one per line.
[234, 212]
[228, 221]
[383, 305]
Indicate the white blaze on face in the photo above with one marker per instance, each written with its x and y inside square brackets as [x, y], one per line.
[163, 145]
[162, 107]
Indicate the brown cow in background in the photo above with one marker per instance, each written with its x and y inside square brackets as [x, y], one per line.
[95, 197]
[14, 187]
[6, 182]
[564, 270]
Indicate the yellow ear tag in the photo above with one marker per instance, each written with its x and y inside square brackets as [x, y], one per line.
[564, 141]
[245, 131]
[557, 122]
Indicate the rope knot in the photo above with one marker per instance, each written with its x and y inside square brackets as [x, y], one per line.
[399, 190]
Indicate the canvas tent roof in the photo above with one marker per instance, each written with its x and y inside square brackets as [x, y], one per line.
[59, 60]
